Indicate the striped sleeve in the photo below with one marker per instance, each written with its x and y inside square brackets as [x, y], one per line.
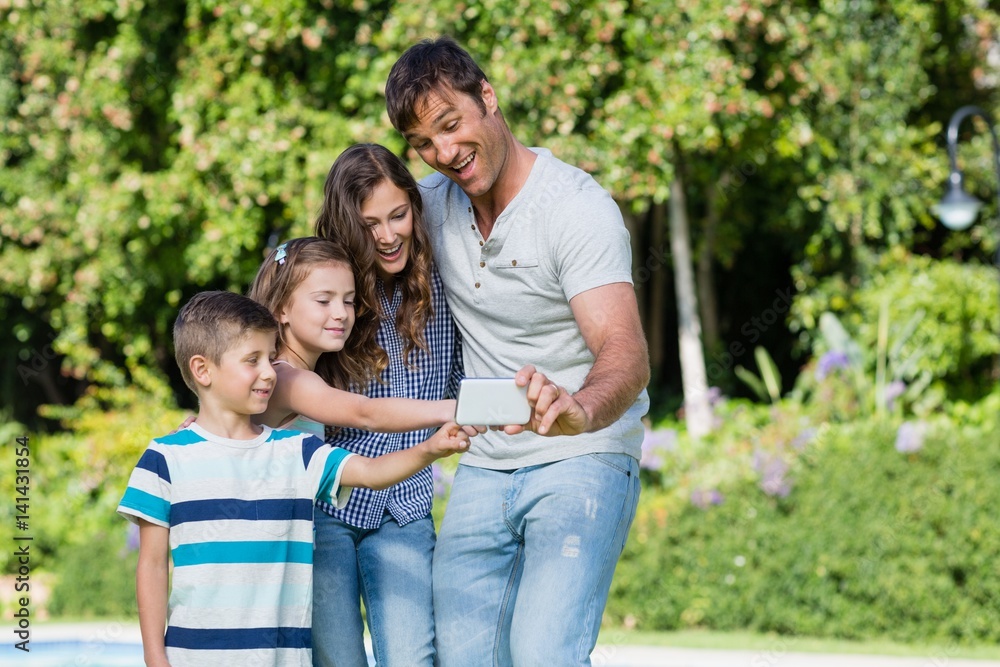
[332, 460]
[148, 493]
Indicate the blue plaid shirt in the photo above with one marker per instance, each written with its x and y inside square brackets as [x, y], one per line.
[435, 376]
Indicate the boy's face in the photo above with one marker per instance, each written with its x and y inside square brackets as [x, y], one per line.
[243, 379]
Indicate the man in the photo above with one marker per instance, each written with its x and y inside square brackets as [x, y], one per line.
[536, 265]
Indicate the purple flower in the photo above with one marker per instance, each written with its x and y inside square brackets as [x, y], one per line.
[705, 498]
[442, 480]
[654, 443]
[131, 539]
[650, 461]
[715, 396]
[830, 362]
[804, 438]
[772, 469]
[910, 437]
[894, 391]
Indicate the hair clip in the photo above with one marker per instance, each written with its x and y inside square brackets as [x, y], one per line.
[279, 256]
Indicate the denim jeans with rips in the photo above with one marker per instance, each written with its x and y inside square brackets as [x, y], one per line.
[524, 560]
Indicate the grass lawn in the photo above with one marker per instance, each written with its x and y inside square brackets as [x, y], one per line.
[768, 642]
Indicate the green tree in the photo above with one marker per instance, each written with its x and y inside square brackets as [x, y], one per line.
[153, 150]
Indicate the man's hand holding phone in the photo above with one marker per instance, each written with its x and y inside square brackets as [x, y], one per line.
[554, 411]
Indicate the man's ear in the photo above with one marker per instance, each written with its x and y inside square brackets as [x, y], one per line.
[489, 97]
[200, 370]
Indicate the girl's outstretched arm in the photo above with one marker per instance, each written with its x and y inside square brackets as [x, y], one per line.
[303, 392]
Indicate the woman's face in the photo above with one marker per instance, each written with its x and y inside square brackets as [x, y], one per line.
[389, 217]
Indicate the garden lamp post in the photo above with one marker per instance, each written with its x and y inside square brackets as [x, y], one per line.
[958, 209]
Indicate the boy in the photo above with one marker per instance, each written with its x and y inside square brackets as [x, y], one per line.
[232, 502]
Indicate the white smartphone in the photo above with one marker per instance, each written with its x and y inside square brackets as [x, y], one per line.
[491, 402]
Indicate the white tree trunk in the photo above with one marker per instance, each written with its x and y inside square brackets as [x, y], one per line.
[697, 410]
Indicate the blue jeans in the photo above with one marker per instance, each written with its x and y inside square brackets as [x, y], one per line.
[524, 560]
[390, 569]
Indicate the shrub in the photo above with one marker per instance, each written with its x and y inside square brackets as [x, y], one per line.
[96, 579]
[869, 542]
[956, 307]
[77, 479]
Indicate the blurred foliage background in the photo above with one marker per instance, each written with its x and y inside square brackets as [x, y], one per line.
[153, 150]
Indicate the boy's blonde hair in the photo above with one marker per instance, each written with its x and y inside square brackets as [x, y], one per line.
[212, 323]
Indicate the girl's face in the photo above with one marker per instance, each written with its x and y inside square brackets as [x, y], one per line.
[319, 315]
[389, 216]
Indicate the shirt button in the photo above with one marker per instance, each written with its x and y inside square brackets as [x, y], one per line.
[513, 262]
[477, 285]
[482, 264]
[480, 243]
[473, 226]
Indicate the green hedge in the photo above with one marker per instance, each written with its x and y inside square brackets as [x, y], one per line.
[81, 548]
[870, 542]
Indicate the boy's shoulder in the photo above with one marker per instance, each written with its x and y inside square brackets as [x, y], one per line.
[185, 436]
[188, 440]
[287, 433]
[191, 436]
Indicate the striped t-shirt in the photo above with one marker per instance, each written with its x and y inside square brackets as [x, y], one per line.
[241, 540]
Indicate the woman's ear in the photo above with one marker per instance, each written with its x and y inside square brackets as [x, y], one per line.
[200, 370]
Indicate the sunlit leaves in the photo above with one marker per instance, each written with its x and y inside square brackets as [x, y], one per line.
[149, 150]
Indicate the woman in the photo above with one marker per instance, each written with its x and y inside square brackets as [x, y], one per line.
[379, 547]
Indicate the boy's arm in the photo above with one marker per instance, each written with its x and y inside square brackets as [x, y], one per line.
[151, 576]
[384, 471]
[305, 393]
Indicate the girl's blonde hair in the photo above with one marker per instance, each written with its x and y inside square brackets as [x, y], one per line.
[352, 179]
[283, 271]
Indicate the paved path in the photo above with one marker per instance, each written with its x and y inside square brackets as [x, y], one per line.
[640, 656]
[99, 635]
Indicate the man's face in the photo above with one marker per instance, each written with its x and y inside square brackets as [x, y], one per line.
[453, 135]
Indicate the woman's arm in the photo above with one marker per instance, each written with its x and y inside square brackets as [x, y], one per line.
[151, 593]
[305, 393]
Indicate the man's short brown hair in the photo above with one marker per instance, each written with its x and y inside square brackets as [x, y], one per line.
[428, 66]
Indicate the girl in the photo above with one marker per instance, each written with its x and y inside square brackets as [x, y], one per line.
[379, 547]
[308, 285]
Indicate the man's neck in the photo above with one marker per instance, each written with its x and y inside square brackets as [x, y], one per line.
[489, 206]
